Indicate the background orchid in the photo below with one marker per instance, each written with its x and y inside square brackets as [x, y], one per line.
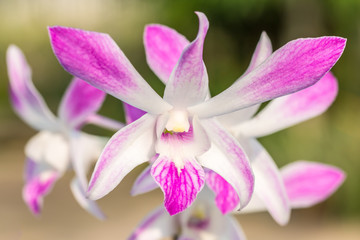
[59, 145]
[181, 126]
[306, 184]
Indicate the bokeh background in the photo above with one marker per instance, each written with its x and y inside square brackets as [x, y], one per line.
[235, 27]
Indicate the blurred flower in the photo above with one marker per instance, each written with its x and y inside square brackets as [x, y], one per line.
[59, 145]
[307, 183]
[178, 129]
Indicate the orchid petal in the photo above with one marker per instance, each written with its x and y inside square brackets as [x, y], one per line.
[25, 99]
[132, 113]
[188, 83]
[80, 101]
[95, 58]
[295, 66]
[226, 197]
[180, 186]
[228, 159]
[157, 225]
[234, 230]
[308, 183]
[50, 148]
[144, 183]
[163, 48]
[269, 185]
[80, 195]
[292, 109]
[262, 51]
[39, 181]
[128, 148]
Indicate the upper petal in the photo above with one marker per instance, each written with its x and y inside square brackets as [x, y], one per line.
[262, 51]
[292, 109]
[188, 83]
[80, 101]
[128, 148]
[25, 99]
[228, 159]
[180, 186]
[163, 48]
[157, 225]
[95, 58]
[295, 66]
[308, 183]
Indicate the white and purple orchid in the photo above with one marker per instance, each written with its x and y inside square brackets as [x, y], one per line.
[306, 184]
[177, 130]
[59, 145]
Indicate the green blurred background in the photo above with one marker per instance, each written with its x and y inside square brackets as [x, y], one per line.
[235, 27]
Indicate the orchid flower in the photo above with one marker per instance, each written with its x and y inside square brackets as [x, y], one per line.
[178, 129]
[306, 184]
[59, 145]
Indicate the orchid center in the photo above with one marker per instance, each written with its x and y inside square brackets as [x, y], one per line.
[178, 122]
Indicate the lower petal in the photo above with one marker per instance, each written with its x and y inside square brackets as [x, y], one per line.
[157, 225]
[180, 186]
[308, 183]
[79, 193]
[38, 184]
[144, 183]
[226, 197]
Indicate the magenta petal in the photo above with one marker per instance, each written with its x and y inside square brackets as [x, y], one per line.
[294, 108]
[80, 101]
[188, 83]
[132, 113]
[180, 187]
[38, 184]
[163, 48]
[25, 99]
[308, 183]
[295, 66]
[95, 58]
[144, 183]
[226, 197]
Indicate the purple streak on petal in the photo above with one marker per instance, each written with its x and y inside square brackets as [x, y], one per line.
[36, 188]
[80, 101]
[163, 48]
[95, 58]
[128, 148]
[308, 183]
[226, 197]
[25, 99]
[132, 113]
[144, 183]
[188, 83]
[180, 187]
[295, 66]
[173, 138]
